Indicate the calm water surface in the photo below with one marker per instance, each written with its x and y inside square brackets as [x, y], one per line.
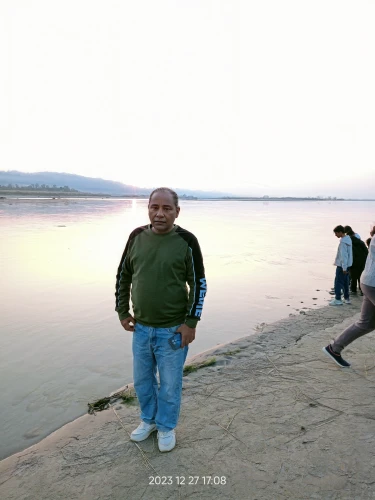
[61, 344]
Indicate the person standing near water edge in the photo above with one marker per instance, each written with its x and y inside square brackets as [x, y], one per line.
[360, 253]
[343, 261]
[158, 261]
[366, 322]
[348, 230]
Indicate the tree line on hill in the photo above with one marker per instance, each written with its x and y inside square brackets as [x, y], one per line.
[38, 187]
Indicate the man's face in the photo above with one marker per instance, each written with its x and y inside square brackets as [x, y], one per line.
[339, 235]
[162, 212]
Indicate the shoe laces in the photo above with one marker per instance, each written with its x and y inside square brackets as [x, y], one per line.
[166, 433]
[144, 425]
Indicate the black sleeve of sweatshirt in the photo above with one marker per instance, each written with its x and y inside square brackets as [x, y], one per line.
[124, 277]
[199, 282]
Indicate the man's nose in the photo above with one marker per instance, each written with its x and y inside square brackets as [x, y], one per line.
[160, 212]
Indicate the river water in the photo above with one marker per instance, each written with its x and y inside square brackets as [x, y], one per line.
[61, 344]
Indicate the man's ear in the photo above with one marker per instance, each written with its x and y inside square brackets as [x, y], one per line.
[178, 211]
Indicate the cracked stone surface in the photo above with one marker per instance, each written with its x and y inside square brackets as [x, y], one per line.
[273, 419]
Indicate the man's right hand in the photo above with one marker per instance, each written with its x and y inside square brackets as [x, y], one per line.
[128, 323]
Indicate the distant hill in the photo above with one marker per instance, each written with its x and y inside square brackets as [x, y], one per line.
[87, 184]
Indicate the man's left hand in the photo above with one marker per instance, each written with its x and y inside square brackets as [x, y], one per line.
[187, 334]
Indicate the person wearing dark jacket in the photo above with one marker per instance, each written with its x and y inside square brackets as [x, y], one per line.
[360, 253]
[348, 230]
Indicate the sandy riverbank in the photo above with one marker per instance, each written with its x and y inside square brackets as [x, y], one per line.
[273, 419]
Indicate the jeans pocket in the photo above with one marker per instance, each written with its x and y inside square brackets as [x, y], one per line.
[175, 341]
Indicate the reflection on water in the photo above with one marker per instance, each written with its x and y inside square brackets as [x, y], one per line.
[61, 344]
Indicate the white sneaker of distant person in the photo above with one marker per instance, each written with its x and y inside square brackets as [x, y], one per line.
[336, 302]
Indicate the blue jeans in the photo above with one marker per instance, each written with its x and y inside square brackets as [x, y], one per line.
[341, 283]
[151, 352]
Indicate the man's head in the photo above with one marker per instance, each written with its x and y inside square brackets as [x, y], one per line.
[349, 231]
[339, 231]
[163, 209]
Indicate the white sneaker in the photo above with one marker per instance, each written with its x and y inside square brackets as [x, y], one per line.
[142, 431]
[335, 302]
[166, 440]
[347, 301]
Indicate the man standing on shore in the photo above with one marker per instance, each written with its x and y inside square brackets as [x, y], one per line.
[158, 261]
[343, 261]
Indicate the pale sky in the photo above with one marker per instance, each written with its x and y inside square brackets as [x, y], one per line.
[251, 97]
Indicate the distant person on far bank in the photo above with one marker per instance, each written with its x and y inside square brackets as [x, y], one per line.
[159, 261]
[360, 253]
[343, 262]
[366, 322]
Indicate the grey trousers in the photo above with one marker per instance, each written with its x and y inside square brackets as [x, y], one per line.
[365, 324]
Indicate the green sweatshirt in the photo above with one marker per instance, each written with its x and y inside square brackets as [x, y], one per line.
[155, 268]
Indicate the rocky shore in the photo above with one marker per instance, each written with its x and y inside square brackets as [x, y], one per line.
[273, 418]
